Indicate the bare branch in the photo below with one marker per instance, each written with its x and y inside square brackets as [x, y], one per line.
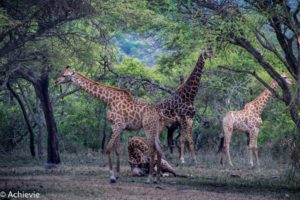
[252, 73]
[133, 80]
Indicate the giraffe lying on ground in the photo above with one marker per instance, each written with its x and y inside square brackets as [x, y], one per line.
[180, 106]
[138, 158]
[124, 113]
[247, 120]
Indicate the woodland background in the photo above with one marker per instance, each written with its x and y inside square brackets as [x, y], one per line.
[145, 46]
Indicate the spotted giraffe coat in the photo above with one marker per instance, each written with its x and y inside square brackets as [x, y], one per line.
[138, 157]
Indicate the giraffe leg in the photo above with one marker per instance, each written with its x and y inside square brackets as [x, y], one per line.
[118, 152]
[253, 146]
[249, 149]
[256, 156]
[111, 171]
[181, 147]
[227, 138]
[253, 134]
[151, 166]
[116, 133]
[159, 156]
[250, 156]
[228, 155]
[151, 125]
[189, 135]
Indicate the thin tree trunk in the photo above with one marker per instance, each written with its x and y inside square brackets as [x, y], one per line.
[31, 133]
[41, 88]
[36, 114]
[40, 141]
[40, 125]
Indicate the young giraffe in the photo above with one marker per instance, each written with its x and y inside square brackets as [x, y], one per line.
[124, 113]
[180, 106]
[247, 120]
[138, 157]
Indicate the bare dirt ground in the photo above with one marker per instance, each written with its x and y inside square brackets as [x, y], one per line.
[85, 179]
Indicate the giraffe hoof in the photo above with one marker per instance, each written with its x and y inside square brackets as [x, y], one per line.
[113, 180]
[194, 162]
[156, 180]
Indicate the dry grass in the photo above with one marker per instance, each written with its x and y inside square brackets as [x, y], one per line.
[84, 177]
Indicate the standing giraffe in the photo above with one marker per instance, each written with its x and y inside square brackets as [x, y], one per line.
[247, 120]
[124, 113]
[180, 106]
[138, 157]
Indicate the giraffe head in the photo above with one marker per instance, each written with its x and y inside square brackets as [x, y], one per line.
[286, 78]
[66, 76]
[207, 53]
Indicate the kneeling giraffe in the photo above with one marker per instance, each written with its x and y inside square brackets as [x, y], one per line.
[138, 158]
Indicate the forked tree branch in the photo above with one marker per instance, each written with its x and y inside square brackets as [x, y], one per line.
[252, 73]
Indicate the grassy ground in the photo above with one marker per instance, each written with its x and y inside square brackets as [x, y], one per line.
[85, 176]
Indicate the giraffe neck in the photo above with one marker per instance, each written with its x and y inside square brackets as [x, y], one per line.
[261, 101]
[188, 90]
[101, 91]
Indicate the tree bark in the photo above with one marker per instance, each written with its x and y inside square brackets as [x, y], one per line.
[40, 140]
[287, 96]
[41, 89]
[26, 118]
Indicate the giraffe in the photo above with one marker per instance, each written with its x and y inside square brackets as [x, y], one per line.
[124, 113]
[247, 120]
[138, 157]
[180, 106]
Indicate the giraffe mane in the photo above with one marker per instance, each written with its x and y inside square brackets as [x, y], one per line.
[107, 86]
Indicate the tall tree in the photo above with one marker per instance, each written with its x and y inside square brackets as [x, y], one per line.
[268, 30]
[25, 27]
[275, 32]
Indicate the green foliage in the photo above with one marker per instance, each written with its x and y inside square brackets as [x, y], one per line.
[80, 123]
[12, 126]
[83, 42]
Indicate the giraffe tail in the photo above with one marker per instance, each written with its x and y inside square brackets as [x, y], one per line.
[221, 145]
[182, 175]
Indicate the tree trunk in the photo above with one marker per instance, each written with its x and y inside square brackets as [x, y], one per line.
[40, 141]
[31, 133]
[41, 88]
[40, 125]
